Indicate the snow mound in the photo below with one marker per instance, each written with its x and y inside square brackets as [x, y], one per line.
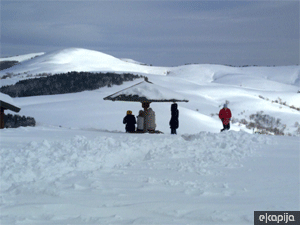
[50, 161]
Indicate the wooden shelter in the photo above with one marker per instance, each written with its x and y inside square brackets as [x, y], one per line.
[146, 92]
[4, 105]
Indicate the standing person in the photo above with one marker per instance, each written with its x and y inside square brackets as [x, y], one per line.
[130, 122]
[150, 120]
[140, 121]
[225, 116]
[174, 122]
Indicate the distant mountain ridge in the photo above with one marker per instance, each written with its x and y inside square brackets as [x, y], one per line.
[78, 59]
[21, 58]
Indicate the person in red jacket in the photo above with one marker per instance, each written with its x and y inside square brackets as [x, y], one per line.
[225, 116]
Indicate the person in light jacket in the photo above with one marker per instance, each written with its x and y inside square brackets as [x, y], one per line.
[150, 120]
[140, 121]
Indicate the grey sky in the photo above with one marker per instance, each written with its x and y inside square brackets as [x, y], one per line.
[162, 33]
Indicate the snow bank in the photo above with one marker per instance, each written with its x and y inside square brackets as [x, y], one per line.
[50, 176]
[49, 161]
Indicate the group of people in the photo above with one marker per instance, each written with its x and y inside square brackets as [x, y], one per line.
[146, 120]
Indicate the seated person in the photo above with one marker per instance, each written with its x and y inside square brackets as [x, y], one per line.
[130, 122]
[140, 121]
[150, 120]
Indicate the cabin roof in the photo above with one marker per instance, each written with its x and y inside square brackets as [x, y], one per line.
[6, 105]
[6, 102]
[146, 91]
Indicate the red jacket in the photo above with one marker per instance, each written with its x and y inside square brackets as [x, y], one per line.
[225, 115]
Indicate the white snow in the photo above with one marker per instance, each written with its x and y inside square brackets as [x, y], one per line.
[132, 61]
[77, 59]
[77, 166]
[149, 91]
[7, 99]
[21, 58]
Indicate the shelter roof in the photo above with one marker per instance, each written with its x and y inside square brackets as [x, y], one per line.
[146, 91]
[6, 102]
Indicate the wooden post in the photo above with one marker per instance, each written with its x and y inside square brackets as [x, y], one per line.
[1, 118]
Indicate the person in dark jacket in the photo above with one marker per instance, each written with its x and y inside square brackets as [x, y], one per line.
[130, 122]
[225, 116]
[174, 122]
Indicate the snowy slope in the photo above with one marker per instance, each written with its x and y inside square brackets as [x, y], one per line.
[263, 78]
[68, 176]
[21, 58]
[206, 86]
[76, 59]
[77, 166]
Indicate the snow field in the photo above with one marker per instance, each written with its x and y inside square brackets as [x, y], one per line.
[50, 160]
[119, 166]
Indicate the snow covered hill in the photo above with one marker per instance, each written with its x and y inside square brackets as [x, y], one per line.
[77, 59]
[78, 166]
[22, 58]
[249, 90]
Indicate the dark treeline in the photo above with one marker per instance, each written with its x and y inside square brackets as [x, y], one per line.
[7, 64]
[70, 82]
[14, 121]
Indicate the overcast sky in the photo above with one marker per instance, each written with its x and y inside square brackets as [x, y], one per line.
[161, 33]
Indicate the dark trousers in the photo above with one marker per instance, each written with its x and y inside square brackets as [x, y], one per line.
[173, 131]
[226, 127]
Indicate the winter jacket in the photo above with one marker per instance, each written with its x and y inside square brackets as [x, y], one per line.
[174, 122]
[140, 122]
[130, 122]
[225, 115]
[150, 119]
